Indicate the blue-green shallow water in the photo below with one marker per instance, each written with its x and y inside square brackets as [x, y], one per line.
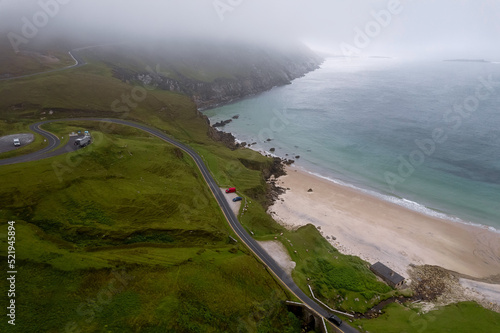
[422, 135]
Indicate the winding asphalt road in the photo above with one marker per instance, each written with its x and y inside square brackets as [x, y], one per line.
[51, 150]
[78, 63]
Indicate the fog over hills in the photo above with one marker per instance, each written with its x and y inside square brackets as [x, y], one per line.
[401, 28]
[131, 233]
[212, 72]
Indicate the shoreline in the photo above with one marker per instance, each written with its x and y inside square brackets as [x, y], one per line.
[374, 229]
[396, 200]
[393, 230]
[402, 202]
[478, 258]
[468, 251]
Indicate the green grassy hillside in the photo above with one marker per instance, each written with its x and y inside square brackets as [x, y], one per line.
[124, 235]
[201, 60]
[31, 61]
[123, 242]
[465, 317]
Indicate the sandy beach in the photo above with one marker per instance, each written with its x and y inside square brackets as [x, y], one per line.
[375, 230]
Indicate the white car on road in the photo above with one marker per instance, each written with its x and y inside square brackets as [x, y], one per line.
[17, 142]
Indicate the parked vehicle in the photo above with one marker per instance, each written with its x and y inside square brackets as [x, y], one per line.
[336, 320]
[17, 142]
[82, 142]
[237, 199]
[231, 190]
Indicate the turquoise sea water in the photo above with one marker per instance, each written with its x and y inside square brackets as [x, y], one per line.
[423, 135]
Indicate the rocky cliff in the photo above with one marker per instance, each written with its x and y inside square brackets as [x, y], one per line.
[211, 73]
[269, 73]
[222, 73]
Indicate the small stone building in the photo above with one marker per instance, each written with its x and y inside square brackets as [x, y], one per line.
[392, 278]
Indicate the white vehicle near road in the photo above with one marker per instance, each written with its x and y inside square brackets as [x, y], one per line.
[17, 142]
[82, 142]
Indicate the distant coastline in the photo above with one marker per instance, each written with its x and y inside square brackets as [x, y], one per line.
[394, 230]
[467, 60]
[380, 57]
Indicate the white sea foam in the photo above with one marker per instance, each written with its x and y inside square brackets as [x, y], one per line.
[265, 152]
[408, 204]
[355, 148]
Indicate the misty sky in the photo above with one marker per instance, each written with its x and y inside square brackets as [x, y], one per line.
[423, 28]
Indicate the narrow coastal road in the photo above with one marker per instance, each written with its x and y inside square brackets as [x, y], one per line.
[226, 209]
[49, 151]
[78, 63]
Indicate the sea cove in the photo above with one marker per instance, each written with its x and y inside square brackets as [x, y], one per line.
[420, 135]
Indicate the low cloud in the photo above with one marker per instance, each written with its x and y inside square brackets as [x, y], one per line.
[423, 28]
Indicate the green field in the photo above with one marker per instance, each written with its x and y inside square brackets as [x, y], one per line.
[465, 317]
[125, 236]
[152, 220]
[31, 61]
[342, 282]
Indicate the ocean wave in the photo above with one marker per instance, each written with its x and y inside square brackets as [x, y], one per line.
[267, 153]
[400, 201]
[408, 204]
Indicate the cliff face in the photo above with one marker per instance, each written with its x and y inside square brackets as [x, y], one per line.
[211, 73]
[223, 91]
[226, 73]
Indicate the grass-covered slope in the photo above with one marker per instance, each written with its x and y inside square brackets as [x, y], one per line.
[30, 61]
[92, 91]
[205, 60]
[342, 282]
[465, 317]
[125, 236]
[212, 72]
[124, 242]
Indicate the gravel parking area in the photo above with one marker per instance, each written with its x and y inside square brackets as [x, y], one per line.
[7, 142]
[235, 206]
[279, 253]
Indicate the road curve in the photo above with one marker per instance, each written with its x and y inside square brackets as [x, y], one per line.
[52, 148]
[226, 209]
[78, 63]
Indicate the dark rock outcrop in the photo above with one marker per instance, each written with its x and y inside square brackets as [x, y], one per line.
[276, 169]
[222, 123]
[226, 138]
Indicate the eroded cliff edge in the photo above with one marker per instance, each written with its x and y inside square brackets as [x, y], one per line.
[220, 73]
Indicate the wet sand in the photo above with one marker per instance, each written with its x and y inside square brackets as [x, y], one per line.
[376, 230]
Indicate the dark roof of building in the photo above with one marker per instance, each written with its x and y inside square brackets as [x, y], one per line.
[387, 273]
